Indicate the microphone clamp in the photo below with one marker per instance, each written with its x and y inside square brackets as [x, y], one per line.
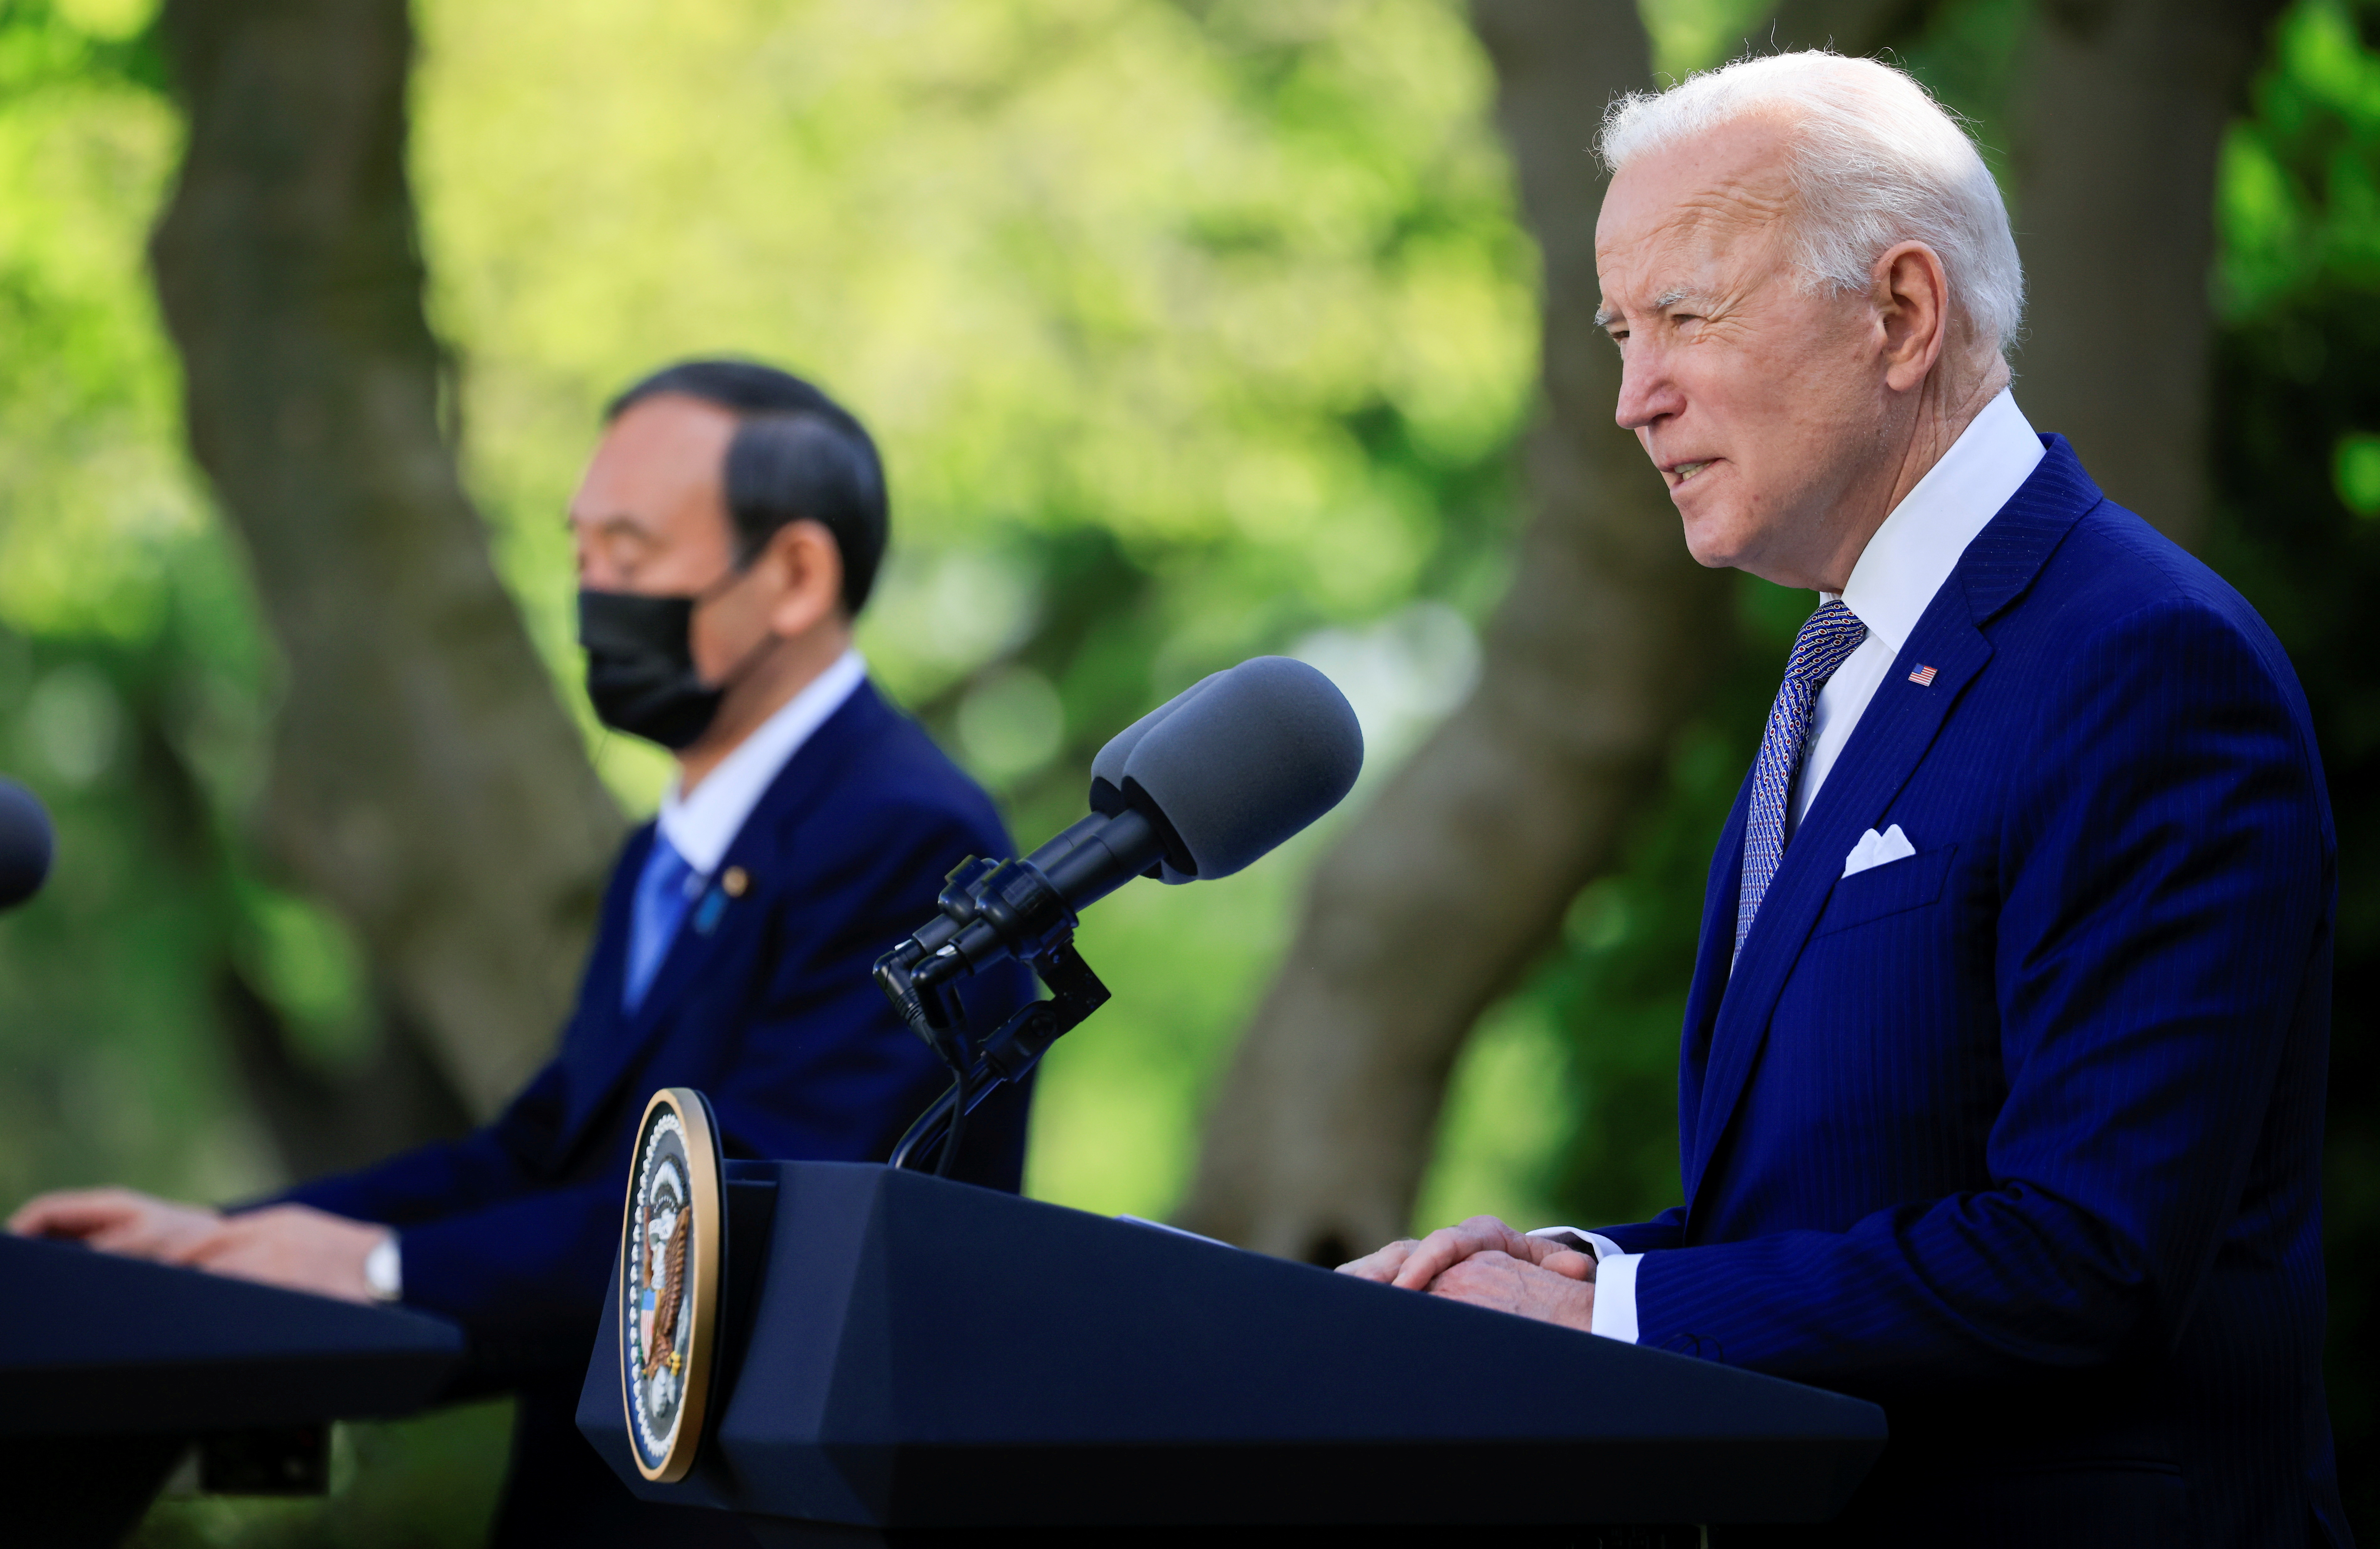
[987, 911]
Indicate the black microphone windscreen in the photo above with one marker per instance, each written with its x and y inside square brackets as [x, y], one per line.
[1245, 759]
[1107, 769]
[26, 844]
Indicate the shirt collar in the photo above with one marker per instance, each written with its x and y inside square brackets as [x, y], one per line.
[1910, 557]
[701, 827]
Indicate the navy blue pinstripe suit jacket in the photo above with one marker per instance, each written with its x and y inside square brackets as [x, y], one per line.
[2021, 1135]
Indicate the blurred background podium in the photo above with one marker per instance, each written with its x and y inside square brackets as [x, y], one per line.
[900, 1352]
[112, 1371]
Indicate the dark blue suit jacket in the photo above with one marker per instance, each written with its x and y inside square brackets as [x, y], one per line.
[764, 1002]
[2021, 1135]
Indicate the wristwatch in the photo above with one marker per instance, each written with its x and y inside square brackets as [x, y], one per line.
[384, 1270]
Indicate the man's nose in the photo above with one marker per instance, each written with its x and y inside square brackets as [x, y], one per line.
[587, 561]
[1648, 394]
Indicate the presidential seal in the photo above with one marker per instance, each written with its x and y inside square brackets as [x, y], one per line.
[670, 1263]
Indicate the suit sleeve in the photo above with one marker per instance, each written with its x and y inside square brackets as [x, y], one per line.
[1665, 1230]
[2166, 870]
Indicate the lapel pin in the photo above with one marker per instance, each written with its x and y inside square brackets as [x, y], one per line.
[735, 881]
[1923, 677]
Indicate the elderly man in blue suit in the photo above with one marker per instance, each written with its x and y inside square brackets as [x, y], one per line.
[2001, 1084]
[728, 529]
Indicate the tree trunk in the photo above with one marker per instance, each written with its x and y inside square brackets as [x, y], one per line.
[1440, 894]
[425, 781]
[2118, 135]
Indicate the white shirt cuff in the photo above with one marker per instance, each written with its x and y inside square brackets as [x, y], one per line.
[384, 1270]
[1615, 1282]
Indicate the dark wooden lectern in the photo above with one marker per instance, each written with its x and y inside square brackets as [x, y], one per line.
[111, 1368]
[898, 1352]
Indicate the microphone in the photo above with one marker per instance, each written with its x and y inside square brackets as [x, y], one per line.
[27, 844]
[1199, 788]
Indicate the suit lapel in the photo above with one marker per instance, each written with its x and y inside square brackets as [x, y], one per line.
[718, 919]
[1708, 989]
[1898, 725]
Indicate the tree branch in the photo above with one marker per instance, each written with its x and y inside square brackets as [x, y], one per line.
[2114, 171]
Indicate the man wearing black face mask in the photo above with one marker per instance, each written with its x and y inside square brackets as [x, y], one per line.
[728, 529]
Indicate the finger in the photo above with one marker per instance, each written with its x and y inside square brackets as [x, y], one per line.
[93, 1224]
[1491, 1232]
[1480, 1268]
[1380, 1265]
[1436, 1253]
[128, 1234]
[71, 1212]
[47, 1216]
[206, 1249]
[1570, 1263]
[1450, 1245]
[174, 1234]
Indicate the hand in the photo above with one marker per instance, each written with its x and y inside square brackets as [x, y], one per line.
[1415, 1266]
[292, 1245]
[1505, 1284]
[118, 1221]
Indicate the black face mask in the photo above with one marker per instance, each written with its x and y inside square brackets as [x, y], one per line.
[640, 666]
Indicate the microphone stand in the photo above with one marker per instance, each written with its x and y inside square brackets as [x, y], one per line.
[916, 977]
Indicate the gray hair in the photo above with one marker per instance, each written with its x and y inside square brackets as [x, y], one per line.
[1873, 161]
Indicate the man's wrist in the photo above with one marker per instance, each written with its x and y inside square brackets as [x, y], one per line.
[384, 1270]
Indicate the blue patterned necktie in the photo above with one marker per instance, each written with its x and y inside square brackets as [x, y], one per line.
[665, 889]
[1826, 639]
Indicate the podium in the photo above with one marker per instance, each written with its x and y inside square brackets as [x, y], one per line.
[897, 1351]
[111, 1368]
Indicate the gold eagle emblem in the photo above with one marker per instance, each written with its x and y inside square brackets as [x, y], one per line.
[664, 1346]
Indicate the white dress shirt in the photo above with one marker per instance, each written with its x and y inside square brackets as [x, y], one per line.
[1904, 565]
[1906, 562]
[702, 826]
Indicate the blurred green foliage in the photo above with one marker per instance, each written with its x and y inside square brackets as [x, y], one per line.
[132, 680]
[1192, 329]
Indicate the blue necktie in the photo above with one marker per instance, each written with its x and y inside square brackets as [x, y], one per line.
[1826, 639]
[663, 893]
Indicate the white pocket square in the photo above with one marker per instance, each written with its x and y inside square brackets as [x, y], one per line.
[1874, 849]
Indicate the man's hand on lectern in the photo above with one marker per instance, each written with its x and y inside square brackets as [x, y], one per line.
[293, 1245]
[118, 1221]
[1488, 1263]
[290, 1245]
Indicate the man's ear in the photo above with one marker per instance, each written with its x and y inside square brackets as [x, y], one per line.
[805, 573]
[1912, 298]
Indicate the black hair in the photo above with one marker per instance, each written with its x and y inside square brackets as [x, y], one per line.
[796, 454]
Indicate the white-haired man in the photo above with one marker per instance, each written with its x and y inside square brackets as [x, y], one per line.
[2001, 1081]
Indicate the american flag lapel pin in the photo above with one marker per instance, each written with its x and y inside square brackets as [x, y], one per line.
[1923, 677]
